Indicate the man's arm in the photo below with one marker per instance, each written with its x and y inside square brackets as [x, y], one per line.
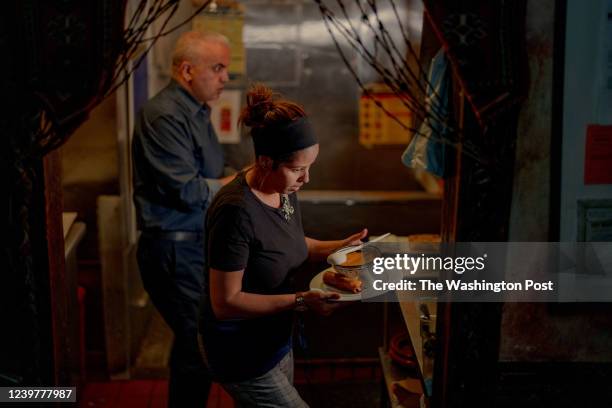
[169, 154]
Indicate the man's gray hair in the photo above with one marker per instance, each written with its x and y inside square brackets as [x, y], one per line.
[185, 48]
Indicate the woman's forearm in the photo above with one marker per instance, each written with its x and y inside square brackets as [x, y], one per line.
[319, 250]
[230, 302]
[243, 305]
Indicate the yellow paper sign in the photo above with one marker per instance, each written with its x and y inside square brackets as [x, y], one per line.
[230, 24]
[376, 127]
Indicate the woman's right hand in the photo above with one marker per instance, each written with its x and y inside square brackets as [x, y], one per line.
[320, 302]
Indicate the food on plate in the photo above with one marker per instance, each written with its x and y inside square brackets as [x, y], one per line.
[340, 281]
[353, 259]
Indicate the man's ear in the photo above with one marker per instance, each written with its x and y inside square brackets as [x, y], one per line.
[185, 71]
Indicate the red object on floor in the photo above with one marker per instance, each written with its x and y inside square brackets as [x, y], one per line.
[141, 394]
[82, 354]
[401, 352]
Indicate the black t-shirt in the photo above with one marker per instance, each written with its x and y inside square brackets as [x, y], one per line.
[244, 233]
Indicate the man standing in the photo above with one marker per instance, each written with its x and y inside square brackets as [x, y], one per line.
[178, 167]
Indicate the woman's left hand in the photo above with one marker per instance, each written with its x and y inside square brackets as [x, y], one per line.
[355, 239]
[320, 302]
[319, 250]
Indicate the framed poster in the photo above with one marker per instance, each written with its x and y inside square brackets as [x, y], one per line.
[224, 115]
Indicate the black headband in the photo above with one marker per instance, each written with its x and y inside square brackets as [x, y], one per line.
[284, 139]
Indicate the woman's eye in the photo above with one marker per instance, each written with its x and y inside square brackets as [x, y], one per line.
[297, 170]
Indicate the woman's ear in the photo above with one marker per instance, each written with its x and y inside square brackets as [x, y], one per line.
[264, 162]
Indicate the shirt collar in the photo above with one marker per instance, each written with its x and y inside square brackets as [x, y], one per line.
[191, 103]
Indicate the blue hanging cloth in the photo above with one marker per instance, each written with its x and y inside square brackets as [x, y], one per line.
[426, 151]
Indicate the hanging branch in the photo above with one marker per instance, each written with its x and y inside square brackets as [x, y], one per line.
[407, 99]
[54, 131]
[134, 35]
[403, 67]
[354, 39]
[413, 89]
[403, 78]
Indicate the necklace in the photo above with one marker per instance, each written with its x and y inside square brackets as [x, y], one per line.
[286, 208]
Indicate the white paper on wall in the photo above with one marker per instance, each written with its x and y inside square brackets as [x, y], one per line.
[224, 115]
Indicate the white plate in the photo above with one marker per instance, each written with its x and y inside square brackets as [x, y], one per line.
[317, 284]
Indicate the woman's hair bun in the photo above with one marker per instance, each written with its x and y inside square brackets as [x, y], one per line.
[265, 108]
[260, 100]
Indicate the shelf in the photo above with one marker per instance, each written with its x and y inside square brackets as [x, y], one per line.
[411, 314]
[397, 376]
[409, 303]
[350, 197]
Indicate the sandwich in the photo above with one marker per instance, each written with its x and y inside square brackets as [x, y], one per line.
[342, 282]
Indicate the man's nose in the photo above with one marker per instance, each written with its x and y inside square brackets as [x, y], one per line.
[306, 177]
[224, 76]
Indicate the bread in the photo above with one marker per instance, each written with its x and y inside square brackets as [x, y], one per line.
[339, 281]
[433, 238]
[426, 243]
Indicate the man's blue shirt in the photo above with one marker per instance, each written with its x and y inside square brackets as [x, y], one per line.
[176, 161]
